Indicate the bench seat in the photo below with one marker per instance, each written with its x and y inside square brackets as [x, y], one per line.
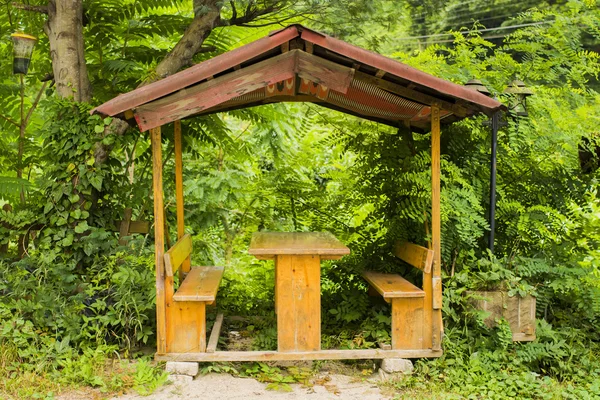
[392, 286]
[200, 284]
[407, 308]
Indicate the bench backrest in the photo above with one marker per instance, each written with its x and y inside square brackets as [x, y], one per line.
[178, 254]
[417, 256]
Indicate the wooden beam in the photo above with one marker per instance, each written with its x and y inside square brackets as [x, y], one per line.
[214, 334]
[437, 292]
[417, 256]
[436, 230]
[365, 354]
[179, 191]
[216, 91]
[208, 94]
[411, 94]
[124, 228]
[327, 73]
[134, 226]
[309, 47]
[159, 239]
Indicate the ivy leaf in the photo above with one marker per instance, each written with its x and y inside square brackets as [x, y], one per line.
[96, 182]
[108, 140]
[68, 240]
[81, 227]
[98, 128]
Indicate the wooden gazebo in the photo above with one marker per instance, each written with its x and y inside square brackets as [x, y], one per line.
[296, 64]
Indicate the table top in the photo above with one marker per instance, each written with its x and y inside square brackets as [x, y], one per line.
[277, 243]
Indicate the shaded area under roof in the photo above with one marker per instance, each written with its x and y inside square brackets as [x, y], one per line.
[299, 64]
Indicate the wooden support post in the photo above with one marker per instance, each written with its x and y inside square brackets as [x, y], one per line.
[407, 323]
[298, 302]
[213, 342]
[159, 240]
[186, 326]
[124, 227]
[179, 190]
[436, 231]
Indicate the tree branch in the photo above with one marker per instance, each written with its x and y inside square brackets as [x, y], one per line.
[250, 14]
[27, 7]
[35, 103]
[207, 49]
[12, 121]
[233, 10]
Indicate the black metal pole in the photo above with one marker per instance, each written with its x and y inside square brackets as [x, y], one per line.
[495, 123]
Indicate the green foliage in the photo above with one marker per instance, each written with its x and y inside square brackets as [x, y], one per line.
[47, 311]
[78, 299]
[560, 364]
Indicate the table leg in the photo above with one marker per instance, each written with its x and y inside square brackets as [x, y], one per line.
[298, 302]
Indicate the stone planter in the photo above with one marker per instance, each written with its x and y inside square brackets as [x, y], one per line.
[518, 311]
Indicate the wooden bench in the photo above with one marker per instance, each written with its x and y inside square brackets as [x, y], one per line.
[186, 307]
[407, 300]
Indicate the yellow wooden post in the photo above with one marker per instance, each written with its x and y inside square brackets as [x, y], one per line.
[436, 231]
[179, 189]
[298, 304]
[159, 240]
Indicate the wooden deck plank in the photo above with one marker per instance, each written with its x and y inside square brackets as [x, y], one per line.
[276, 243]
[214, 334]
[201, 284]
[392, 286]
[364, 354]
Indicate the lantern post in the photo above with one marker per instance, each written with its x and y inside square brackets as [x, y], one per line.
[518, 92]
[23, 45]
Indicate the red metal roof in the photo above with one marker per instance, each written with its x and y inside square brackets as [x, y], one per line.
[324, 70]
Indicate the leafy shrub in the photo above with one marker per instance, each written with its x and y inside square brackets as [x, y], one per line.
[48, 312]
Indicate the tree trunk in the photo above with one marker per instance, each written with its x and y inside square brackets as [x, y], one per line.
[65, 35]
[207, 17]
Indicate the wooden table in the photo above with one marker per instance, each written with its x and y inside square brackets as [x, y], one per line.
[297, 258]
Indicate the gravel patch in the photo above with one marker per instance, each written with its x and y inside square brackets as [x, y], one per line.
[225, 386]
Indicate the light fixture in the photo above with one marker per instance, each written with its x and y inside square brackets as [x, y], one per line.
[518, 92]
[477, 85]
[22, 51]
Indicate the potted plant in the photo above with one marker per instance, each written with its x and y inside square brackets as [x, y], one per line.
[500, 293]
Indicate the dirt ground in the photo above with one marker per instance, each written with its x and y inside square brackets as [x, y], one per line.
[225, 386]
